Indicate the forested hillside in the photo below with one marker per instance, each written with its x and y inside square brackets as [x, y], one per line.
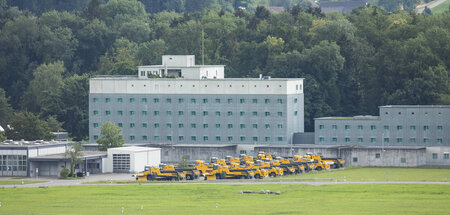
[351, 63]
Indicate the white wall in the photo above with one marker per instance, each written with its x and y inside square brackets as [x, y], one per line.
[139, 158]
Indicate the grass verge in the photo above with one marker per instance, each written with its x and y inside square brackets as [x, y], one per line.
[19, 182]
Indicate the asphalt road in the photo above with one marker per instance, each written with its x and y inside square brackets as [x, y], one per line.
[434, 4]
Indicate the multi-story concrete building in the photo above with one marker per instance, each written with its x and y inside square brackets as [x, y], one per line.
[196, 106]
[397, 125]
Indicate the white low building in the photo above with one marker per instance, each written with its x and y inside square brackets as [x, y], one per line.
[131, 159]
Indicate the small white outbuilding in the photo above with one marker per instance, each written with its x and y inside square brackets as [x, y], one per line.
[131, 159]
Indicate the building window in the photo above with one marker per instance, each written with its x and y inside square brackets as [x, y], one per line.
[399, 127]
[168, 125]
[373, 127]
[355, 159]
[321, 127]
[334, 127]
[217, 101]
[193, 101]
[295, 100]
[108, 112]
[156, 138]
[425, 140]
[180, 138]
[144, 138]
[403, 160]
[193, 125]
[168, 101]
[254, 113]
[279, 139]
[205, 101]
[386, 127]
[156, 113]
[229, 113]
[446, 156]
[439, 140]
[266, 139]
[254, 125]
[295, 113]
[412, 140]
[255, 139]
[242, 138]
[119, 100]
[144, 113]
[439, 127]
[180, 125]
[180, 100]
[242, 101]
[144, 125]
[267, 101]
[193, 138]
[279, 101]
[230, 125]
[132, 137]
[377, 155]
[399, 140]
[426, 127]
[242, 126]
[412, 127]
[267, 126]
[217, 125]
[119, 112]
[169, 113]
[386, 140]
[144, 100]
[95, 137]
[205, 125]
[156, 125]
[217, 138]
[242, 113]
[131, 100]
[132, 125]
[120, 125]
[347, 127]
[131, 113]
[280, 126]
[279, 113]
[255, 101]
[230, 138]
[95, 125]
[193, 113]
[95, 99]
[180, 113]
[230, 101]
[373, 140]
[205, 138]
[156, 100]
[107, 100]
[205, 113]
[435, 156]
[360, 127]
[321, 139]
[267, 113]
[360, 140]
[334, 139]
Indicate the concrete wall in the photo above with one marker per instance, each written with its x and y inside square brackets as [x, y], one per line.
[139, 158]
[173, 154]
[438, 156]
[387, 157]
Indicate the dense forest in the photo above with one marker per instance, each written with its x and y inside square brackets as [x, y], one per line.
[352, 63]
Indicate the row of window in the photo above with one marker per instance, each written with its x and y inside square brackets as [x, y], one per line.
[445, 156]
[385, 140]
[194, 101]
[192, 113]
[205, 138]
[386, 127]
[377, 156]
[193, 125]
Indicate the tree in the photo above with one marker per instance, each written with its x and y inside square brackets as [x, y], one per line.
[74, 154]
[27, 126]
[110, 136]
[6, 112]
[183, 162]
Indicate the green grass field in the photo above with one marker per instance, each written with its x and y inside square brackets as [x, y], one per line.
[18, 182]
[441, 8]
[202, 199]
[380, 174]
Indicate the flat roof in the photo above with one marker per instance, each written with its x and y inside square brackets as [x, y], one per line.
[135, 78]
[415, 106]
[133, 149]
[195, 145]
[367, 117]
[26, 144]
[317, 146]
[176, 67]
[62, 156]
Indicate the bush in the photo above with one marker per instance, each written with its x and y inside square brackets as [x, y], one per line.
[64, 173]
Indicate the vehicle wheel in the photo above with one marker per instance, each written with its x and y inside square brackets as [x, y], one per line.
[189, 177]
[319, 168]
[149, 177]
[273, 175]
[218, 176]
[257, 176]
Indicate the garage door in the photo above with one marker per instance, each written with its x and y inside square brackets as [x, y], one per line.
[121, 162]
[48, 169]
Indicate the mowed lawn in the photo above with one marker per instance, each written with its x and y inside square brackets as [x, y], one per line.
[441, 8]
[19, 182]
[379, 174]
[226, 199]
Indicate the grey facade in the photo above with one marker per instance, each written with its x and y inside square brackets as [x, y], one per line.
[398, 125]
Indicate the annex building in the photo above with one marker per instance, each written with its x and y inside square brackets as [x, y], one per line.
[180, 102]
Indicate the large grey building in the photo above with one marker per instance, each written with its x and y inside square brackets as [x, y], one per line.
[397, 125]
[197, 105]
